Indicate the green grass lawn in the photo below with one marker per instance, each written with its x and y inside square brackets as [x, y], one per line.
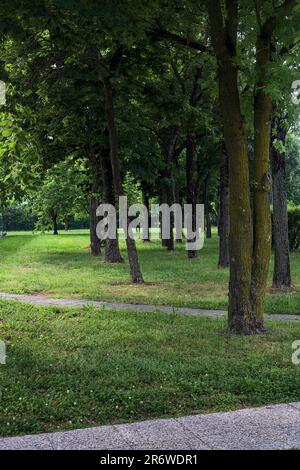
[69, 368]
[62, 267]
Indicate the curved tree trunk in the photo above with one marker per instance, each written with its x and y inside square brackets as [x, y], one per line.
[223, 223]
[282, 271]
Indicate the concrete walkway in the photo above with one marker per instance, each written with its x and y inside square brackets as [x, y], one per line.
[45, 301]
[271, 427]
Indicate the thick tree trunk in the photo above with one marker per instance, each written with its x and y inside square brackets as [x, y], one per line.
[240, 318]
[282, 271]
[112, 251]
[223, 222]
[135, 270]
[207, 208]
[261, 203]
[192, 185]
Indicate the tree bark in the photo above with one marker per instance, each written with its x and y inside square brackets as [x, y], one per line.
[135, 270]
[55, 226]
[166, 198]
[223, 222]
[261, 203]
[112, 252]
[192, 185]
[95, 242]
[207, 208]
[146, 203]
[224, 39]
[282, 271]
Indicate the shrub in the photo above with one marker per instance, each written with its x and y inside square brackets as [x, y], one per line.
[294, 227]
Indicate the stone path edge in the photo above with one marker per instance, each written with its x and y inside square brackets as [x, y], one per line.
[272, 427]
[44, 301]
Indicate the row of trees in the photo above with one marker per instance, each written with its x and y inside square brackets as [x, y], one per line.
[190, 99]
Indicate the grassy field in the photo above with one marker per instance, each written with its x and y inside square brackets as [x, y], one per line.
[69, 368]
[62, 267]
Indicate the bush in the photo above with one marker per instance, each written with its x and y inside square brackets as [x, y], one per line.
[294, 227]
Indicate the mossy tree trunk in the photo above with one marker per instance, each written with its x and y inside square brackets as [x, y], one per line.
[224, 37]
[261, 202]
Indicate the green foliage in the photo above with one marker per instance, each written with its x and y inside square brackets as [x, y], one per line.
[294, 227]
[292, 152]
[60, 195]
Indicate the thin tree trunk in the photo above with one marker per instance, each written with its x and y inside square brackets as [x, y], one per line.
[223, 222]
[166, 198]
[95, 242]
[282, 271]
[55, 226]
[191, 184]
[146, 203]
[112, 251]
[135, 270]
[95, 171]
[207, 209]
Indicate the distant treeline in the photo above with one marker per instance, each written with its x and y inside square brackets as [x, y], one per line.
[21, 219]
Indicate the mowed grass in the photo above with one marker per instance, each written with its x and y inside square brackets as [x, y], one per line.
[69, 368]
[63, 267]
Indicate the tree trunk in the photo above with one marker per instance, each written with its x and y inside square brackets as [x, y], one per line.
[192, 185]
[95, 242]
[207, 208]
[166, 198]
[240, 237]
[282, 271]
[223, 222]
[112, 251]
[146, 203]
[261, 203]
[55, 226]
[135, 271]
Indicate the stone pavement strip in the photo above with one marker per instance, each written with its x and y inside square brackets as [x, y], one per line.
[271, 427]
[45, 301]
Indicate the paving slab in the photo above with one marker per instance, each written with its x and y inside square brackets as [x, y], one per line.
[45, 301]
[104, 438]
[266, 428]
[34, 442]
[273, 427]
[160, 434]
